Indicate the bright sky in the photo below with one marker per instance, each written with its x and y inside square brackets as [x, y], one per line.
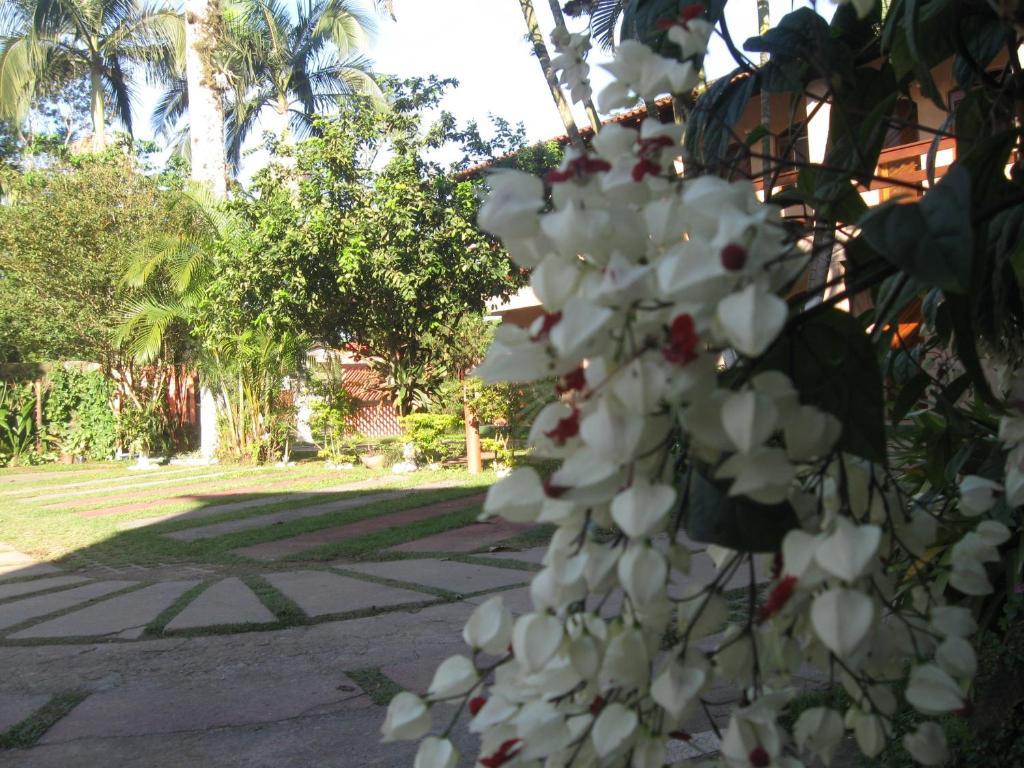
[482, 43]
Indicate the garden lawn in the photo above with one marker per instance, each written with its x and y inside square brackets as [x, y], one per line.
[41, 511]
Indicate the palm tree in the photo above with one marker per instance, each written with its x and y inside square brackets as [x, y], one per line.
[540, 50]
[292, 69]
[45, 44]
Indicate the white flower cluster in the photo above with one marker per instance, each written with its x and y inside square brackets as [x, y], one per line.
[648, 280]
[570, 63]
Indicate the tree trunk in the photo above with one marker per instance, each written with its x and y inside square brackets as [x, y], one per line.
[206, 110]
[99, 128]
[588, 103]
[764, 22]
[541, 52]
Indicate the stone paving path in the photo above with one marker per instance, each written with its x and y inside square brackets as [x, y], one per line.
[280, 548]
[182, 664]
[468, 539]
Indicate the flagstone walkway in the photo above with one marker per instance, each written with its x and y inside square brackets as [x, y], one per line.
[260, 662]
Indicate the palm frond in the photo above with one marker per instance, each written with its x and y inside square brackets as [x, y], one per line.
[603, 21]
[118, 91]
[171, 105]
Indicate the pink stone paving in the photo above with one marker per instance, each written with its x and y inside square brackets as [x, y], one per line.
[275, 550]
[467, 539]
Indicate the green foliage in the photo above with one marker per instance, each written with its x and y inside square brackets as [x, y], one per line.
[142, 428]
[66, 239]
[17, 422]
[330, 410]
[436, 436]
[79, 414]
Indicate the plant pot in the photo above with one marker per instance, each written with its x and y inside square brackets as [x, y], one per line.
[67, 458]
[372, 460]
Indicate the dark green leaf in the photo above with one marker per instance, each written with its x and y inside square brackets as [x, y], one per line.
[711, 124]
[931, 239]
[833, 365]
[983, 36]
[909, 395]
[963, 343]
[713, 517]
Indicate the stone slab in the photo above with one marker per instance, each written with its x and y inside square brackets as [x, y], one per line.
[201, 705]
[28, 570]
[13, 557]
[461, 578]
[269, 551]
[226, 602]
[34, 607]
[276, 518]
[16, 707]
[266, 501]
[535, 555]
[38, 585]
[319, 593]
[516, 600]
[470, 538]
[125, 616]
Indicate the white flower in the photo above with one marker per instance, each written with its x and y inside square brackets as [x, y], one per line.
[819, 730]
[869, 730]
[643, 571]
[489, 627]
[993, 532]
[613, 729]
[957, 657]
[517, 498]
[535, 638]
[968, 576]
[514, 356]
[692, 37]
[763, 475]
[436, 753]
[749, 418]
[626, 662]
[641, 510]
[927, 744]
[512, 207]
[953, 621]
[455, 676]
[978, 495]
[408, 718]
[751, 319]
[810, 433]
[932, 691]
[678, 686]
[842, 619]
[850, 550]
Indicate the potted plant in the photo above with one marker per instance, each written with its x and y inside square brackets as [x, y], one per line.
[72, 444]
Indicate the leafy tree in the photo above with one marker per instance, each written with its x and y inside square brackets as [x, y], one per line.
[66, 239]
[290, 68]
[49, 43]
[385, 258]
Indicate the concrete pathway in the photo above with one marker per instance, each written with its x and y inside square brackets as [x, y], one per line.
[467, 539]
[460, 578]
[228, 602]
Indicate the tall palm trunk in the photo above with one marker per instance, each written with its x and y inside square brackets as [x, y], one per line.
[764, 22]
[541, 52]
[205, 106]
[99, 128]
[588, 103]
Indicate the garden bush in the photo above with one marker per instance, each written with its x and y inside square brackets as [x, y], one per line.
[436, 436]
[78, 410]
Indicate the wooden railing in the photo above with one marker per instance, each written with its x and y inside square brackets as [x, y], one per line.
[906, 163]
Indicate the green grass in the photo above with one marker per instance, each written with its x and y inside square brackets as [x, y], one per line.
[31, 729]
[286, 611]
[156, 626]
[64, 535]
[378, 686]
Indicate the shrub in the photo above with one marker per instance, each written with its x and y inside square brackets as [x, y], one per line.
[435, 435]
[78, 410]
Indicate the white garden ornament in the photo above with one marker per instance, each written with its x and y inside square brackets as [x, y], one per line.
[647, 278]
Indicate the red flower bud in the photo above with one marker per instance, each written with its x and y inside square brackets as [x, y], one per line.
[476, 704]
[777, 599]
[734, 257]
[683, 341]
[550, 320]
[565, 429]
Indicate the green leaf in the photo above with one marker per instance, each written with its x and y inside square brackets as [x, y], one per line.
[709, 128]
[931, 239]
[964, 334]
[909, 395]
[734, 522]
[833, 365]
[984, 36]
